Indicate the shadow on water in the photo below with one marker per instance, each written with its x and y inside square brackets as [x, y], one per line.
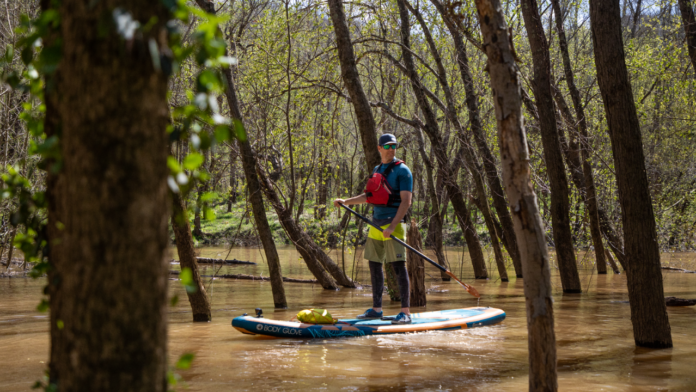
[593, 331]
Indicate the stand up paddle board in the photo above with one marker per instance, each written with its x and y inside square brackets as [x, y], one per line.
[443, 320]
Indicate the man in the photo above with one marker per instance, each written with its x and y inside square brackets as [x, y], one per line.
[387, 215]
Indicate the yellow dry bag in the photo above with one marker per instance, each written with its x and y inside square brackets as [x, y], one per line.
[315, 316]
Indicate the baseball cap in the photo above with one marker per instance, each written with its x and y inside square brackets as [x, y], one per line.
[387, 138]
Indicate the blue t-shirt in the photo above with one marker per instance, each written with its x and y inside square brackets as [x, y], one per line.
[400, 179]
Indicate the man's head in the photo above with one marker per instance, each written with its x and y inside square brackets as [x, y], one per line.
[387, 147]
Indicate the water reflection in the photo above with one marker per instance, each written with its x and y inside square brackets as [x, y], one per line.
[593, 331]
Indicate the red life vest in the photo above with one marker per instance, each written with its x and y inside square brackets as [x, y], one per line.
[377, 189]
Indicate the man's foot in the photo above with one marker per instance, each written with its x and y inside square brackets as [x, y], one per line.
[402, 318]
[370, 314]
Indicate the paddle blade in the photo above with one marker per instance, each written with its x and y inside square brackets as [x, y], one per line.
[469, 289]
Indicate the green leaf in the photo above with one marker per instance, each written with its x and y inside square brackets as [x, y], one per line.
[42, 306]
[209, 213]
[222, 133]
[239, 131]
[209, 196]
[60, 324]
[174, 301]
[173, 164]
[186, 277]
[185, 361]
[193, 161]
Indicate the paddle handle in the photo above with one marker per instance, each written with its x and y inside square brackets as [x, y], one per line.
[468, 288]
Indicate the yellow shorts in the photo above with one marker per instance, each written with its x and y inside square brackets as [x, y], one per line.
[381, 250]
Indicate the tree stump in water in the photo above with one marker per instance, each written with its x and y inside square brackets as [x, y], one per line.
[391, 282]
[416, 269]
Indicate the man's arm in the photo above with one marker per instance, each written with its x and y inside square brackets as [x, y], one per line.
[360, 199]
[400, 213]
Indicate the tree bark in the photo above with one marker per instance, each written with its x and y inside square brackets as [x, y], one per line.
[108, 279]
[587, 191]
[200, 305]
[529, 228]
[553, 158]
[507, 234]
[645, 292]
[416, 269]
[431, 128]
[253, 186]
[689, 22]
[351, 78]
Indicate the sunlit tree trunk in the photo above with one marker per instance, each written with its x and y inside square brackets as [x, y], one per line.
[109, 206]
[431, 128]
[645, 292]
[560, 204]
[505, 84]
[507, 232]
[200, 305]
[253, 186]
[689, 22]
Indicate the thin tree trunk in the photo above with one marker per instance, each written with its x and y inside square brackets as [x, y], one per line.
[505, 83]
[232, 198]
[560, 206]
[11, 251]
[645, 292]
[253, 186]
[507, 234]
[416, 269]
[689, 22]
[312, 254]
[614, 267]
[435, 222]
[431, 128]
[351, 78]
[468, 153]
[108, 279]
[587, 191]
[200, 305]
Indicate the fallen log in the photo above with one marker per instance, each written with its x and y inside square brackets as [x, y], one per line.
[679, 269]
[674, 301]
[250, 277]
[205, 260]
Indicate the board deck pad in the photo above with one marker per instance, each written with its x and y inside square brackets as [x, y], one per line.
[453, 319]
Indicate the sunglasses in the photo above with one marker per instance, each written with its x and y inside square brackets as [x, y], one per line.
[388, 146]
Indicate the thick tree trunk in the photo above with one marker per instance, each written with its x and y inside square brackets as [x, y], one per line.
[507, 234]
[587, 191]
[431, 128]
[689, 22]
[200, 305]
[317, 261]
[416, 269]
[529, 228]
[351, 78]
[553, 158]
[253, 186]
[645, 292]
[108, 281]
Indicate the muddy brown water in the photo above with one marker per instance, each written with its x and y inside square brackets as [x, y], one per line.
[593, 330]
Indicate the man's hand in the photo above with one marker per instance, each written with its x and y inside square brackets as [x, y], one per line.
[337, 202]
[388, 231]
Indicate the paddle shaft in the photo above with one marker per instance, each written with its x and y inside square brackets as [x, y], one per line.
[443, 269]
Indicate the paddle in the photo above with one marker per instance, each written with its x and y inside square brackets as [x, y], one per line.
[468, 288]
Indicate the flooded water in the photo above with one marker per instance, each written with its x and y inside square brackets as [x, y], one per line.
[593, 330]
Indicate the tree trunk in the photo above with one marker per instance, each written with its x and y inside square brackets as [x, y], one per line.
[232, 198]
[614, 267]
[108, 279]
[646, 295]
[507, 234]
[197, 230]
[416, 269]
[351, 78]
[525, 213]
[587, 191]
[200, 305]
[432, 129]
[553, 158]
[311, 253]
[467, 151]
[689, 22]
[253, 186]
